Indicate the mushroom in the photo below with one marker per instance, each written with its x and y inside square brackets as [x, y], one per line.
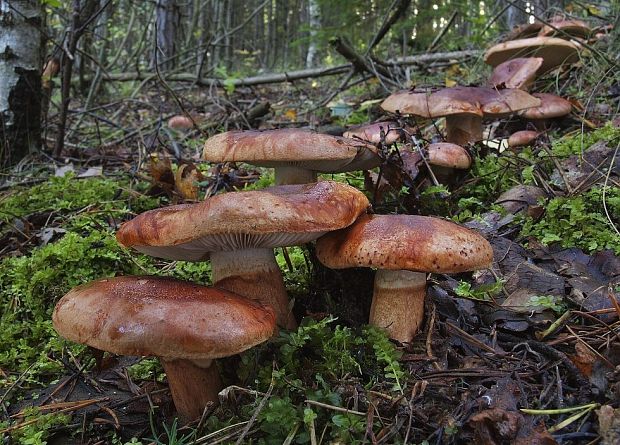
[388, 132]
[570, 28]
[551, 106]
[297, 155]
[554, 52]
[522, 138]
[446, 158]
[238, 232]
[517, 73]
[404, 249]
[185, 325]
[463, 107]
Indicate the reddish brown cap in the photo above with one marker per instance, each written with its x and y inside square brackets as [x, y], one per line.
[522, 138]
[161, 317]
[415, 243]
[524, 31]
[553, 51]
[289, 147]
[551, 106]
[445, 154]
[560, 28]
[277, 216]
[392, 132]
[478, 101]
[516, 73]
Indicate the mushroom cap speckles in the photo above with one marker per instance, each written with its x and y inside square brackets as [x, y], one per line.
[477, 101]
[287, 147]
[415, 243]
[161, 317]
[276, 216]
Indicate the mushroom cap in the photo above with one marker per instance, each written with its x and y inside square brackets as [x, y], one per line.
[415, 243]
[289, 147]
[516, 73]
[372, 132]
[278, 216]
[446, 154]
[478, 101]
[163, 317]
[521, 138]
[524, 31]
[553, 51]
[573, 27]
[551, 106]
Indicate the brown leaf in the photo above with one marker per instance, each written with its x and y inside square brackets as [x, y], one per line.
[186, 181]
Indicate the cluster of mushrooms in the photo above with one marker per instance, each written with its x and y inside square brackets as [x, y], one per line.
[188, 325]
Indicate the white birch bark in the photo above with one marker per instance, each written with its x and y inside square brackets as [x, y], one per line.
[315, 23]
[20, 78]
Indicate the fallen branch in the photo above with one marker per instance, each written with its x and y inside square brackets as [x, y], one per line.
[290, 76]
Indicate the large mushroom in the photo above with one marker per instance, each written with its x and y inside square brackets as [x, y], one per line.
[404, 249]
[463, 107]
[238, 232]
[183, 324]
[297, 155]
[554, 52]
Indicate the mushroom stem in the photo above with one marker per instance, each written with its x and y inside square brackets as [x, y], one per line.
[398, 303]
[288, 174]
[254, 273]
[463, 128]
[193, 384]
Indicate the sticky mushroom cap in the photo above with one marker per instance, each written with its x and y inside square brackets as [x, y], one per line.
[372, 132]
[278, 216]
[551, 106]
[161, 317]
[446, 154]
[572, 27]
[553, 51]
[477, 101]
[405, 242]
[516, 73]
[289, 147]
[522, 138]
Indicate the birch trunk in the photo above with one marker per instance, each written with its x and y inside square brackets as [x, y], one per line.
[315, 23]
[20, 79]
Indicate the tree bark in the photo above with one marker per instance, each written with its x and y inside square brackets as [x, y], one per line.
[315, 23]
[20, 79]
[167, 21]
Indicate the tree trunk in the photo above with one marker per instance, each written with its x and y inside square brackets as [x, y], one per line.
[167, 20]
[515, 16]
[20, 79]
[315, 23]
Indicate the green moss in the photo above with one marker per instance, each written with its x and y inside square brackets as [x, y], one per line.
[579, 221]
[573, 145]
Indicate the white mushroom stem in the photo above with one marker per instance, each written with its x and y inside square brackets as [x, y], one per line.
[398, 303]
[254, 273]
[463, 128]
[286, 175]
[193, 384]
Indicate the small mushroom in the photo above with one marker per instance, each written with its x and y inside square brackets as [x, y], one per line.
[387, 132]
[522, 138]
[404, 249]
[463, 107]
[517, 73]
[551, 106]
[238, 232]
[183, 324]
[446, 158]
[297, 155]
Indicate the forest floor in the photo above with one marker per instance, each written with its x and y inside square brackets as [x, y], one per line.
[539, 331]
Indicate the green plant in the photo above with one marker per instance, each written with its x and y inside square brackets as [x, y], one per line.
[484, 292]
[551, 302]
[36, 426]
[579, 221]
